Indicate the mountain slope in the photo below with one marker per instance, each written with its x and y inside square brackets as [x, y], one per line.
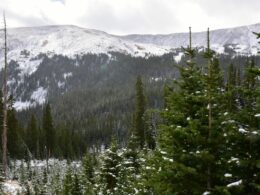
[240, 36]
[44, 59]
[26, 43]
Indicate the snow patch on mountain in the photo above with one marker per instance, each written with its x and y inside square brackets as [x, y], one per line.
[26, 43]
[39, 95]
[178, 57]
[20, 105]
[242, 36]
[66, 75]
[61, 84]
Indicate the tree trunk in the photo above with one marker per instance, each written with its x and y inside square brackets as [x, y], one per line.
[4, 89]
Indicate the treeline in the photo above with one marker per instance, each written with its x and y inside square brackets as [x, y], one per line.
[101, 91]
[40, 139]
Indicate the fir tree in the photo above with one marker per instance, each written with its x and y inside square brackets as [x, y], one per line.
[32, 135]
[28, 190]
[191, 142]
[88, 173]
[215, 150]
[68, 182]
[178, 136]
[76, 189]
[14, 130]
[231, 88]
[48, 130]
[130, 168]
[139, 123]
[150, 128]
[110, 169]
[244, 139]
[45, 182]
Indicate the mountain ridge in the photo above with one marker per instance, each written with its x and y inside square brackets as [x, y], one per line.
[32, 48]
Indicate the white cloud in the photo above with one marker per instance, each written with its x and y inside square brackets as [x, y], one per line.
[133, 16]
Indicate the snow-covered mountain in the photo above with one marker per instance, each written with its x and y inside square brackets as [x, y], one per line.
[26, 43]
[29, 49]
[241, 39]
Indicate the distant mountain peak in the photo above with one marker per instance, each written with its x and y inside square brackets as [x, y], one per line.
[70, 40]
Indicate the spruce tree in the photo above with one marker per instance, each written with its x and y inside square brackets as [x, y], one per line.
[231, 88]
[191, 139]
[32, 135]
[175, 159]
[76, 189]
[48, 129]
[151, 120]
[130, 168]
[110, 169]
[139, 123]
[88, 177]
[68, 182]
[244, 139]
[215, 149]
[14, 140]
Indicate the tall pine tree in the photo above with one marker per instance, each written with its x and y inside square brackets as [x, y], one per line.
[48, 129]
[139, 121]
[32, 136]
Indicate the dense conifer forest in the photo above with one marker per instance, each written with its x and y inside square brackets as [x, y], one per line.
[126, 125]
[195, 134]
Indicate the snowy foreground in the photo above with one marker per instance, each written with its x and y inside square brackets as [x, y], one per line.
[21, 170]
[12, 187]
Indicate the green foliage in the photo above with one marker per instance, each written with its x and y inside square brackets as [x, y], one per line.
[15, 143]
[68, 183]
[32, 136]
[48, 129]
[88, 175]
[192, 156]
[76, 189]
[151, 118]
[110, 169]
[139, 123]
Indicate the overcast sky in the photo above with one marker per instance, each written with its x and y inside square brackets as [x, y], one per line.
[133, 16]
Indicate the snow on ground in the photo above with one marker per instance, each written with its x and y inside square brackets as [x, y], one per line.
[43, 163]
[19, 167]
[12, 187]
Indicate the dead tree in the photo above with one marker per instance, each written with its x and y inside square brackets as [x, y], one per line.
[4, 90]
